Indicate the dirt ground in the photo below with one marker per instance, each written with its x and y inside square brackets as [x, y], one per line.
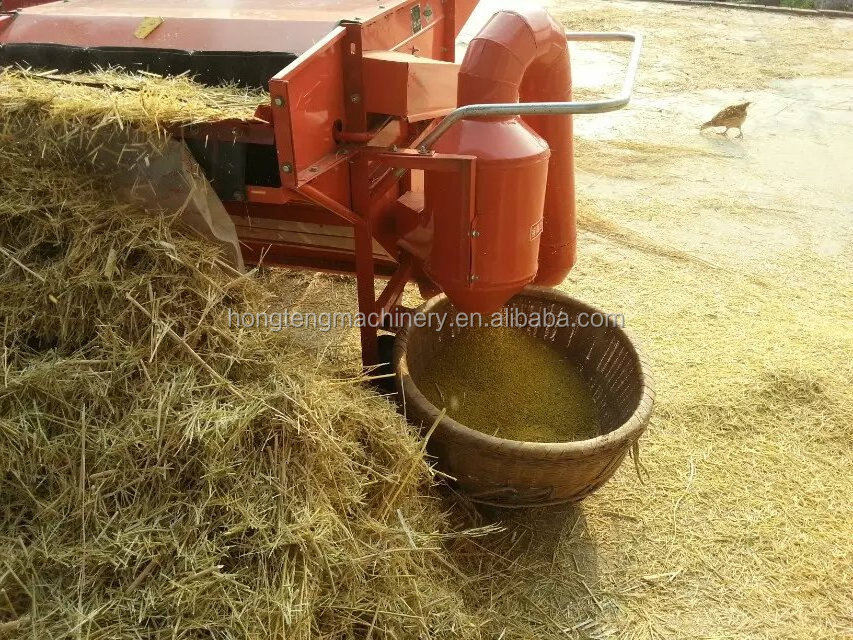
[732, 260]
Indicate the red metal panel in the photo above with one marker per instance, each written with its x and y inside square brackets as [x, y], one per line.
[332, 177]
[408, 86]
[355, 120]
[400, 23]
[458, 13]
[305, 257]
[312, 93]
[298, 209]
[283, 129]
[325, 262]
[364, 262]
[328, 11]
[186, 34]
[429, 42]
[230, 130]
[14, 5]
[416, 236]
[216, 25]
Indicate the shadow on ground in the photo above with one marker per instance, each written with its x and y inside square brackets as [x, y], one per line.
[540, 569]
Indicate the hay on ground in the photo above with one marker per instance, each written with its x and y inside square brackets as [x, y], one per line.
[164, 474]
[696, 48]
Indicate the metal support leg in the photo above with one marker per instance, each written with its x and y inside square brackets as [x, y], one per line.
[364, 273]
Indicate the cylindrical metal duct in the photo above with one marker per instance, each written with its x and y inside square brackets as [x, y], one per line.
[524, 214]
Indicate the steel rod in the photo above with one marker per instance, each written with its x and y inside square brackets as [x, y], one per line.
[552, 108]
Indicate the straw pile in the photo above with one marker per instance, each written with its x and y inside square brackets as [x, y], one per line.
[162, 474]
[110, 98]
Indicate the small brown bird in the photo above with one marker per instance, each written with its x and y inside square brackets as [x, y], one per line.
[730, 118]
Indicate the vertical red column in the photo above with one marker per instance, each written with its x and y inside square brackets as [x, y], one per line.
[524, 225]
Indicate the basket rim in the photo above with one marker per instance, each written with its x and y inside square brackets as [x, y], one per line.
[624, 435]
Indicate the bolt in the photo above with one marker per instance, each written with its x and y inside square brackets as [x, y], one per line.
[235, 132]
[473, 278]
[355, 98]
[287, 167]
[279, 101]
[313, 169]
[475, 234]
[395, 148]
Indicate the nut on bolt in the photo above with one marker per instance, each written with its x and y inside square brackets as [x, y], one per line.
[278, 101]
[287, 167]
[355, 98]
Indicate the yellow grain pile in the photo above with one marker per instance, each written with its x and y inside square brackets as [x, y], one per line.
[161, 474]
[510, 384]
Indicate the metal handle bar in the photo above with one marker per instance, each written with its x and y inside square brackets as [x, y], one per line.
[551, 108]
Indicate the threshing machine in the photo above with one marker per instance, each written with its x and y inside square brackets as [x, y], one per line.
[377, 154]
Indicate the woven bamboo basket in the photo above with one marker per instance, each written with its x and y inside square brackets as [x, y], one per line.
[512, 473]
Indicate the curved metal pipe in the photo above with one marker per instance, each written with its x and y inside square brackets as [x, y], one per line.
[552, 108]
[519, 57]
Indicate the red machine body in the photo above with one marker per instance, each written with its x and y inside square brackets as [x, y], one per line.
[522, 227]
[483, 254]
[330, 175]
[14, 5]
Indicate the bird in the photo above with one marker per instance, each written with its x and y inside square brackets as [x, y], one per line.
[731, 118]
